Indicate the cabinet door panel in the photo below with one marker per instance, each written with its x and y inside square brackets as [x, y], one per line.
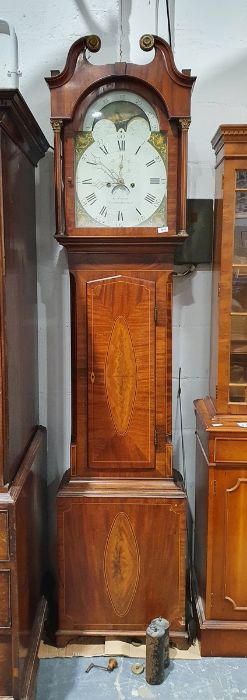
[121, 372]
[229, 573]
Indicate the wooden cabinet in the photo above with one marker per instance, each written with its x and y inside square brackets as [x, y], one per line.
[221, 478]
[22, 441]
[120, 204]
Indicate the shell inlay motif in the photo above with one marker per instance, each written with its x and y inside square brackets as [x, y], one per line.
[120, 375]
[121, 564]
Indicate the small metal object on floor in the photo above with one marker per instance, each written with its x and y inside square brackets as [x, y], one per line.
[157, 650]
[137, 669]
[112, 663]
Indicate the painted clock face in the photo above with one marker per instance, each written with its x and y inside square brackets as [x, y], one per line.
[121, 164]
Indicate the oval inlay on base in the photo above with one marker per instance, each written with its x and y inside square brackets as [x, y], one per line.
[121, 564]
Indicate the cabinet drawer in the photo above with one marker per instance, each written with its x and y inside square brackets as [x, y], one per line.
[4, 536]
[230, 450]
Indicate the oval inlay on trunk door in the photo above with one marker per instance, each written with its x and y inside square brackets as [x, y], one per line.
[120, 375]
[121, 564]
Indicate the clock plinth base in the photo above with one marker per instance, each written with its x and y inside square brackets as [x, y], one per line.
[115, 572]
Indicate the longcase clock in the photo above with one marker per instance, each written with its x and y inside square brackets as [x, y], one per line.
[120, 181]
[221, 469]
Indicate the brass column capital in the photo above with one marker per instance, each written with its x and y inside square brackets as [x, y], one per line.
[56, 124]
[184, 123]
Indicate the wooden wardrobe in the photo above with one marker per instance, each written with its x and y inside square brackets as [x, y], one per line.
[22, 441]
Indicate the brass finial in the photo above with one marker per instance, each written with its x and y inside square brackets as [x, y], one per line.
[93, 43]
[147, 42]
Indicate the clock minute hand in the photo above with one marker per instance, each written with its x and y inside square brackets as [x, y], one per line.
[98, 162]
[109, 172]
[120, 174]
[120, 184]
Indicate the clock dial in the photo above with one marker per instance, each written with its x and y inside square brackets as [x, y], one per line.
[121, 175]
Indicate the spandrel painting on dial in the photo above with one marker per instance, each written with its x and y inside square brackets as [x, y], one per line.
[121, 164]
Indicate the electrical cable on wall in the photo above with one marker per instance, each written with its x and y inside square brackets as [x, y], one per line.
[188, 271]
[181, 430]
[156, 24]
[157, 18]
[168, 22]
[191, 625]
[121, 31]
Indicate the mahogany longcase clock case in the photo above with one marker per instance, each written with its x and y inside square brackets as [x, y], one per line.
[120, 140]
[221, 465]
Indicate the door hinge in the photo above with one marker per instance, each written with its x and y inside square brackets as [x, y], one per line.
[214, 487]
[155, 314]
[216, 391]
[218, 289]
[155, 438]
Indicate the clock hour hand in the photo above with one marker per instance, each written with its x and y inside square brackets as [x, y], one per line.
[115, 183]
[99, 184]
